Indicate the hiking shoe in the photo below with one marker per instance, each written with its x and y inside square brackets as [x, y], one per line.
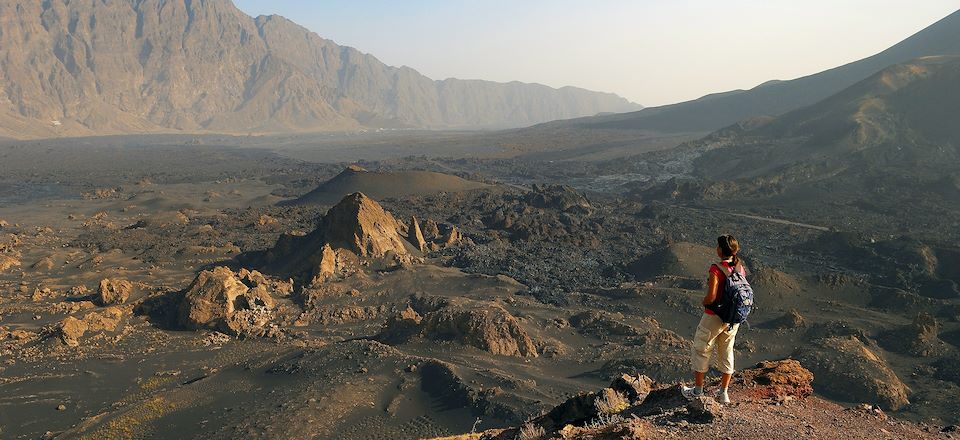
[691, 392]
[723, 397]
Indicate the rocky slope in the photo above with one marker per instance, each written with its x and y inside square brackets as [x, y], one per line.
[771, 396]
[132, 66]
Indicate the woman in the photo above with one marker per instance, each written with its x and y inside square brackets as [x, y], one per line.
[712, 332]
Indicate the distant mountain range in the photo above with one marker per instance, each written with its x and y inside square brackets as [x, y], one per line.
[774, 98]
[70, 67]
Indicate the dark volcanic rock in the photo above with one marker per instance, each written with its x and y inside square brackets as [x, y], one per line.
[919, 338]
[704, 409]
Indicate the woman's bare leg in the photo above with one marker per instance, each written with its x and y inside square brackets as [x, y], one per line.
[725, 380]
[698, 378]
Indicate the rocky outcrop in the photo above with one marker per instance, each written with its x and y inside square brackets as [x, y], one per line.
[483, 325]
[83, 68]
[358, 223]
[634, 388]
[113, 292]
[665, 413]
[328, 267]
[415, 235]
[548, 212]
[559, 197]
[778, 380]
[71, 329]
[7, 262]
[919, 338]
[218, 300]
[354, 233]
[854, 371]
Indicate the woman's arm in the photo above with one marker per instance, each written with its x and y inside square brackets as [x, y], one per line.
[713, 287]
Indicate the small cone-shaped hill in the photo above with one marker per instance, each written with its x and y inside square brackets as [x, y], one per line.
[381, 185]
[678, 259]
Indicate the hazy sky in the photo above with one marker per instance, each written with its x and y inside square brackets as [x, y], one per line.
[650, 51]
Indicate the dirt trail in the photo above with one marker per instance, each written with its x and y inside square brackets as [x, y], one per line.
[760, 218]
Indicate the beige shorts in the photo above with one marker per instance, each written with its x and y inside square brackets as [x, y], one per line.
[712, 334]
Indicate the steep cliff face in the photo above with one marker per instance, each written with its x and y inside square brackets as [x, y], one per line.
[75, 67]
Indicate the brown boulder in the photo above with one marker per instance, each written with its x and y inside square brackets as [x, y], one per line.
[218, 300]
[71, 330]
[114, 291]
[632, 387]
[108, 319]
[328, 267]
[452, 237]
[7, 262]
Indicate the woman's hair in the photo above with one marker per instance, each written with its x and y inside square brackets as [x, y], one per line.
[729, 246]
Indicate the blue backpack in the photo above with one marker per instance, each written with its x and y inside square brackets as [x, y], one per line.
[737, 300]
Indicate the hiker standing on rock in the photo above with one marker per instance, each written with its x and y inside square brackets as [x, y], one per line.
[726, 305]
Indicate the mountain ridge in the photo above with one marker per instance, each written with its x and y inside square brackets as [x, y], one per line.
[897, 120]
[771, 98]
[72, 68]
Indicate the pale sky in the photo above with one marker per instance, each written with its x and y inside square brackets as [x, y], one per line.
[652, 52]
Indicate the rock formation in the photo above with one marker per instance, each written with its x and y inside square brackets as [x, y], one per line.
[71, 329]
[634, 407]
[112, 292]
[415, 235]
[359, 224]
[919, 338]
[778, 379]
[355, 229]
[218, 300]
[486, 326]
[7, 262]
